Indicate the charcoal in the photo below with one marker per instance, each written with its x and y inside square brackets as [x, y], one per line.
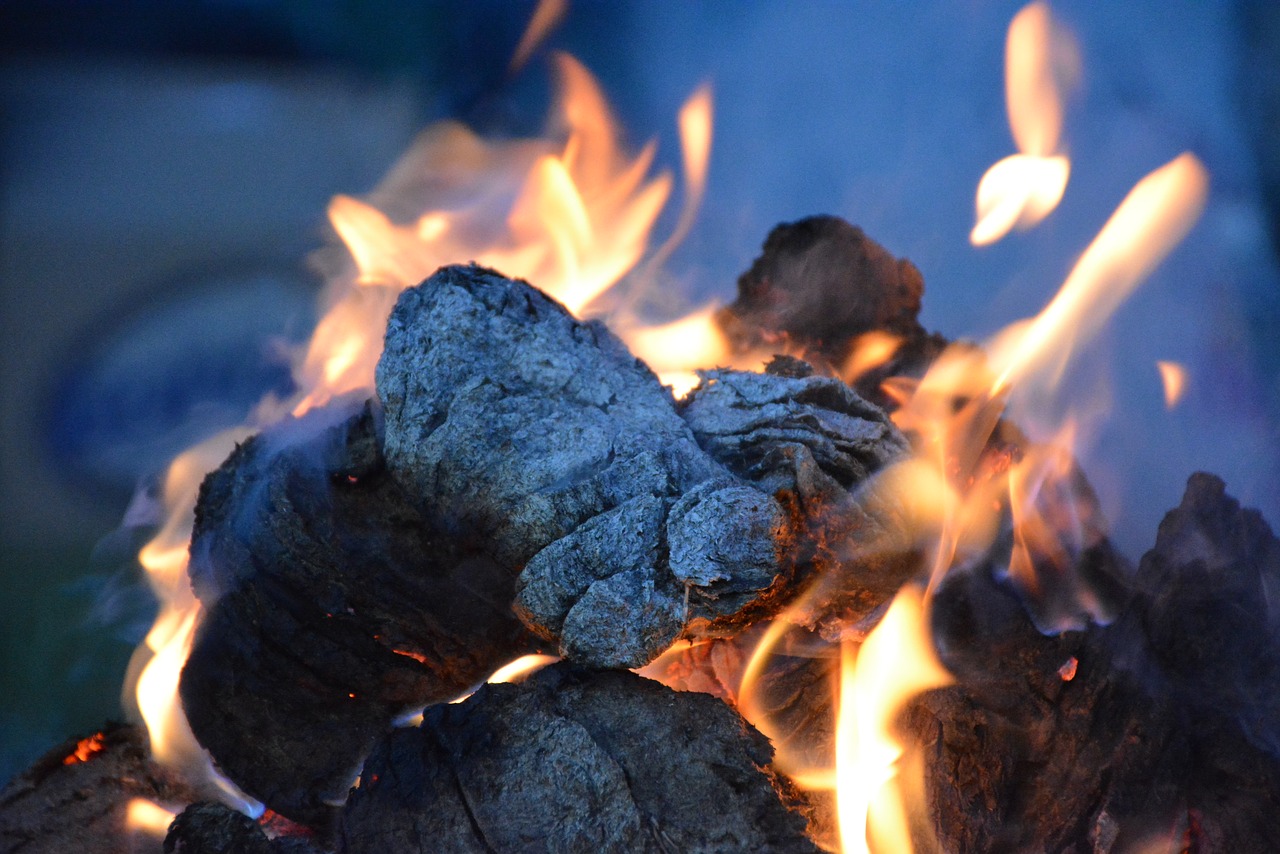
[331, 607]
[75, 797]
[818, 285]
[574, 760]
[212, 828]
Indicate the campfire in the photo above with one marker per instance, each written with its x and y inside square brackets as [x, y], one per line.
[518, 570]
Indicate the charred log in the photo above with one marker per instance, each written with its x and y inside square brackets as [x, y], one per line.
[574, 760]
[1158, 727]
[515, 423]
[821, 283]
[332, 606]
[76, 797]
[213, 828]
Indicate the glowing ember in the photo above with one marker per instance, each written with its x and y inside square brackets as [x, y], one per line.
[1022, 189]
[86, 749]
[1174, 379]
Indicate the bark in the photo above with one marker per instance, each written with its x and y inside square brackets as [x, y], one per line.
[574, 760]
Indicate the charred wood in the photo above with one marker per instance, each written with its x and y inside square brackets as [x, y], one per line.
[213, 828]
[1157, 728]
[332, 606]
[515, 423]
[76, 797]
[574, 760]
[821, 283]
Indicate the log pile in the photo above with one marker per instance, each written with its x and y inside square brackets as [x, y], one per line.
[521, 483]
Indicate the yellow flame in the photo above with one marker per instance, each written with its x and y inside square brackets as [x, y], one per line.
[894, 664]
[1173, 377]
[1153, 218]
[148, 817]
[517, 670]
[673, 350]
[1021, 190]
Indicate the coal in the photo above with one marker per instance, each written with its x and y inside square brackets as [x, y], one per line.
[1151, 729]
[574, 760]
[76, 796]
[332, 606]
[818, 285]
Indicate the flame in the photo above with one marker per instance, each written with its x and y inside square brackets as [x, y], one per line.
[1153, 218]
[545, 18]
[571, 212]
[148, 817]
[869, 351]
[673, 349]
[1022, 189]
[895, 663]
[517, 670]
[1174, 379]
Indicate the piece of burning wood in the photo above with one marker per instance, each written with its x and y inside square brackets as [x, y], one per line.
[76, 798]
[1155, 731]
[332, 606]
[516, 424]
[213, 828]
[574, 760]
[818, 286]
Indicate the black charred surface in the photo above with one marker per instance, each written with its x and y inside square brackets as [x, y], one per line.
[1155, 729]
[546, 439]
[818, 285]
[210, 828]
[332, 605]
[573, 760]
[63, 804]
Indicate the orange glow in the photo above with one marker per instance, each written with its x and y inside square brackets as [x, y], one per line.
[1021, 190]
[86, 749]
[1174, 379]
[517, 670]
[674, 349]
[870, 350]
[545, 19]
[894, 664]
[148, 817]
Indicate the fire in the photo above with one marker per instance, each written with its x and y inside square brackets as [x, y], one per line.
[1022, 189]
[895, 663]
[1174, 379]
[148, 817]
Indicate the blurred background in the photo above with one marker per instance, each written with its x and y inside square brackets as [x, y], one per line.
[165, 167]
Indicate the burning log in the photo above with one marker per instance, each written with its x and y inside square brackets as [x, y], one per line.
[574, 760]
[213, 828]
[352, 571]
[820, 285]
[515, 423]
[1158, 727]
[78, 796]
[333, 606]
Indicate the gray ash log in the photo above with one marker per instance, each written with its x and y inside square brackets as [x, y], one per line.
[574, 760]
[818, 285]
[75, 797]
[1159, 727]
[514, 422]
[332, 606]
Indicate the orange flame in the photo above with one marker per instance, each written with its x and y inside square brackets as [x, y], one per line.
[1174, 379]
[545, 19]
[1022, 189]
[895, 663]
